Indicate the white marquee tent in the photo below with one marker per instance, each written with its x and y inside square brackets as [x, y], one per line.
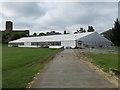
[66, 40]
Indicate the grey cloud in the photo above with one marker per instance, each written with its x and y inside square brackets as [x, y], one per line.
[25, 9]
[72, 14]
[19, 25]
[60, 16]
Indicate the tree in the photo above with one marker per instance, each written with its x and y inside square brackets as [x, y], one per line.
[81, 30]
[53, 33]
[34, 34]
[77, 31]
[65, 32]
[84, 30]
[113, 34]
[107, 34]
[6, 37]
[22, 34]
[90, 29]
[115, 37]
[15, 36]
[42, 34]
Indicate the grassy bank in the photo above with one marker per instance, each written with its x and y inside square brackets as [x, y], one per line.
[20, 64]
[104, 61]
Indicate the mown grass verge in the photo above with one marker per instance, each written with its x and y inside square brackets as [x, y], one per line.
[104, 61]
[19, 65]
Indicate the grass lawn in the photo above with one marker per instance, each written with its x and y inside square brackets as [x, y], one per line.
[21, 64]
[104, 61]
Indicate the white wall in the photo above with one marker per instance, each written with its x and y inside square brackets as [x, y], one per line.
[27, 44]
[95, 39]
[55, 46]
[68, 44]
[71, 44]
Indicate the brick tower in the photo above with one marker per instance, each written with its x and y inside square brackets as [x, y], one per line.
[9, 26]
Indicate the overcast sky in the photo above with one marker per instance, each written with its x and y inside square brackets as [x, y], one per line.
[59, 16]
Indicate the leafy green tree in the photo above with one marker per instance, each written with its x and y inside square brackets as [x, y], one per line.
[115, 34]
[81, 30]
[90, 29]
[77, 31]
[6, 37]
[107, 34]
[42, 34]
[34, 34]
[22, 34]
[65, 32]
[84, 30]
[15, 36]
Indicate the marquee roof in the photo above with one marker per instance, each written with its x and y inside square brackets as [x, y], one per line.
[94, 37]
[53, 38]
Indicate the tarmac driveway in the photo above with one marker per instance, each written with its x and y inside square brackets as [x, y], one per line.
[67, 71]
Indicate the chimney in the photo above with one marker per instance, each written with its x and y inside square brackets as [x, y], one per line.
[9, 26]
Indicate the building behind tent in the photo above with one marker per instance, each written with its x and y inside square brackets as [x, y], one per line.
[9, 32]
[88, 39]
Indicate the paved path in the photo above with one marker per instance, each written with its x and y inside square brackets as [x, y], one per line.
[67, 71]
